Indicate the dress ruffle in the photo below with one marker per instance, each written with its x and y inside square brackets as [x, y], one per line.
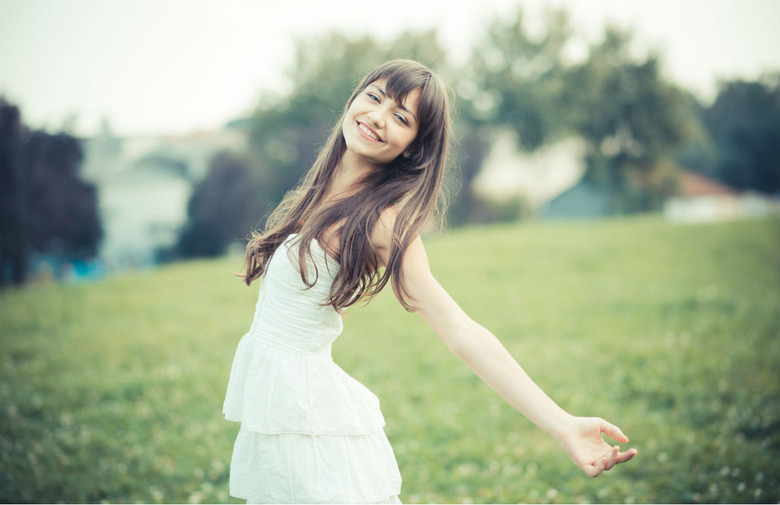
[293, 468]
[274, 391]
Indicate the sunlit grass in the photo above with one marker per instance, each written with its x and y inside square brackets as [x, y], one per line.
[113, 390]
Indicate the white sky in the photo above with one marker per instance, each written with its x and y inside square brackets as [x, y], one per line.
[165, 66]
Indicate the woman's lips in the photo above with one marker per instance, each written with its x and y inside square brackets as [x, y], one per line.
[368, 132]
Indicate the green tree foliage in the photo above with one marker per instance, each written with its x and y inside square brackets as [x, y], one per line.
[744, 124]
[516, 80]
[64, 217]
[512, 80]
[223, 208]
[631, 120]
[45, 208]
[698, 153]
[14, 240]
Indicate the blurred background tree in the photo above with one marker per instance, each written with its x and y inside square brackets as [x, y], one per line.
[14, 240]
[629, 116]
[223, 208]
[736, 140]
[45, 207]
[512, 80]
[744, 124]
[64, 209]
[516, 80]
[544, 85]
[631, 119]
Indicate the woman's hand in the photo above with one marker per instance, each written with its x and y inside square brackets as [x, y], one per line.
[583, 443]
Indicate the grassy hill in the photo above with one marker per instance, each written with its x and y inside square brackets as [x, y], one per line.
[112, 391]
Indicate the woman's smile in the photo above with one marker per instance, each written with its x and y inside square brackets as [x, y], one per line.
[368, 132]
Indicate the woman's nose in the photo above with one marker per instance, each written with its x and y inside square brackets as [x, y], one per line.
[375, 118]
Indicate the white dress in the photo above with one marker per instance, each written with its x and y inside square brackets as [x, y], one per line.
[309, 433]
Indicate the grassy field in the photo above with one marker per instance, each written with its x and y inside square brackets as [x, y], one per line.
[112, 391]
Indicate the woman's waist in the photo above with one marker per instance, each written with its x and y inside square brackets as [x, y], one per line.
[294, 339]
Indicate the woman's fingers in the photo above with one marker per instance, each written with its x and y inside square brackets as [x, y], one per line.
[606, 463]
[625, 456]
[613, 431]
[616, 457]
[613, 459]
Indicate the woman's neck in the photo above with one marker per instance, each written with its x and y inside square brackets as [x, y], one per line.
[349, 172]
[344, 183]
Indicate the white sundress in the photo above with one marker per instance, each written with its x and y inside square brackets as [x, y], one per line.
[309, 433]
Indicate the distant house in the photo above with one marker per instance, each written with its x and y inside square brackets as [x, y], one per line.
[507, 172]
[581, 201]
[142, 209]
[550, 181]
[700, 199]
[144, 185]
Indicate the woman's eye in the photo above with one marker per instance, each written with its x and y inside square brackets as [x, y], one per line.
[373, 97]
[402, 119]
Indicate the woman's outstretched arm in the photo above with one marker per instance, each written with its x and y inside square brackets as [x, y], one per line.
[488, 358]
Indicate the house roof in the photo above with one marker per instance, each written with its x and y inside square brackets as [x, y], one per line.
[693, 184]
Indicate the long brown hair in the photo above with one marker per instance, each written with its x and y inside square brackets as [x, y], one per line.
[412, 184]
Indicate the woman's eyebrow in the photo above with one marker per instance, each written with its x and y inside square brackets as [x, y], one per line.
[400, 105]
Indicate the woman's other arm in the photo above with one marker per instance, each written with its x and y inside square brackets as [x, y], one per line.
[481, 351]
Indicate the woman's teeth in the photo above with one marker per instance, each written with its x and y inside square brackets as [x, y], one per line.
[368, 132]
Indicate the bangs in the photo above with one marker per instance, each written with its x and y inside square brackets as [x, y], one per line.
[400, 84]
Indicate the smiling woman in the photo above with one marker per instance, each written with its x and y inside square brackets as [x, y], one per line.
[310, 433]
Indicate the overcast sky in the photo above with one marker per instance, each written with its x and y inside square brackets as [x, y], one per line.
[164, 66]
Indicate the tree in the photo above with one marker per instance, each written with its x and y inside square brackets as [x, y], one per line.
[223, 208]
[631, 120]
[46, 208]
[699, 152]
[512, 80]
[516, 80]
[65, 218]
[14, 240]
[744, 124]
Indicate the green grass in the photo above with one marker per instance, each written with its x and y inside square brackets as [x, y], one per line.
[112, 391]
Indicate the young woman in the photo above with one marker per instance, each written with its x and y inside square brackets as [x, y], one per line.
[309, 432]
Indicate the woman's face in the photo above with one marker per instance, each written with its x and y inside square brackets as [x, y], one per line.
[376, 128]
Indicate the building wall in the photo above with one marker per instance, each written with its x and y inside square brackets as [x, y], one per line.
[144, 185]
